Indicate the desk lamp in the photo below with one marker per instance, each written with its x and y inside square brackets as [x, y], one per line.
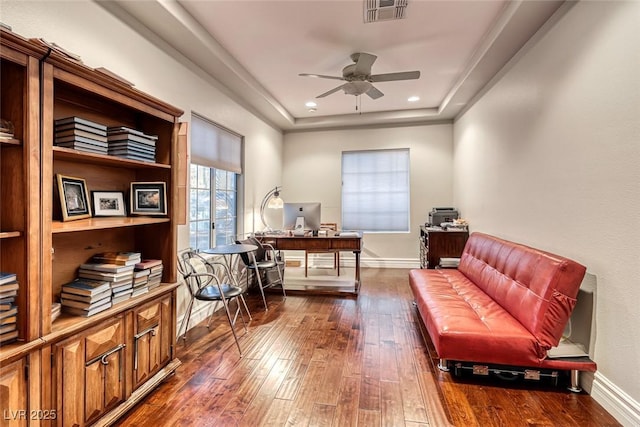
[271, 200]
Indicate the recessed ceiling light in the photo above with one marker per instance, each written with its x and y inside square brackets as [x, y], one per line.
[311, 104]
[413, 98]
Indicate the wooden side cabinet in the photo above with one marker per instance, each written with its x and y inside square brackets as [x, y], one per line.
[13, 394]
[436, 244]
[89, 373]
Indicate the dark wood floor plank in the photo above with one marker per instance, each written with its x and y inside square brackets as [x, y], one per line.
[343, 361]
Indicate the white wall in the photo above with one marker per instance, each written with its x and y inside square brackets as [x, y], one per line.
[550, 157]
[85, 28]
[312, 172]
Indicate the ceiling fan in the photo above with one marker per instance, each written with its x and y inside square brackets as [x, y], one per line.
[359, 79]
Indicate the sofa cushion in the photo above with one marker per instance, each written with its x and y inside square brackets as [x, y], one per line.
[465, 324]
[536, 288]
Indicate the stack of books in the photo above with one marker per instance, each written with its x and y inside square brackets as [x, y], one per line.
[154, 266]
[81, 134]
[131, 144]
[119, 277]
[140, 281]
[8, 309]
[85, 297]
[121, 288]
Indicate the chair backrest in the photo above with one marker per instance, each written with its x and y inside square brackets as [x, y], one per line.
[190, 263]
[260, 254]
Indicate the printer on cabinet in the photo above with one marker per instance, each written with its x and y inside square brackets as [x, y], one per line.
[438, 216]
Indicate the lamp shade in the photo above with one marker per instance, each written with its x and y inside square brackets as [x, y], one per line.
[271, 200]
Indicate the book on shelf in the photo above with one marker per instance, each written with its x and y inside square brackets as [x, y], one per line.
[8, 313]
[118, 258]
[148, 263]
[107, 268]
[8, 294]
[6, 304]
[84, 286]
[81, 121]
[141, 290]
[84, 305]
[74, 134]
[80, 126]
[7, 337]
[90, 312]
[8, 328]
[7, 277]
[86, 298]
[155, 270]
[81, 146]
[121, 288]
[56, 309]
[103, 275]
[132, 147]
[9, 319]
[137, 281]
[122, 296]
[141, 273]
[126, 131]
[11, 286]
[75, 139]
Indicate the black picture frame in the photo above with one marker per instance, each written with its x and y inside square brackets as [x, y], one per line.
[74, 197]
[148, 198]
[108, 203]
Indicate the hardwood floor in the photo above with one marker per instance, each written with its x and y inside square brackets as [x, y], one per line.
[343, 361]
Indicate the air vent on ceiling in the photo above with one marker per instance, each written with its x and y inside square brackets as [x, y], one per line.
[384, 10]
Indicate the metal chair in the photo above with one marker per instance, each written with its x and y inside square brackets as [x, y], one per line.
[260, 261]
[204, 285]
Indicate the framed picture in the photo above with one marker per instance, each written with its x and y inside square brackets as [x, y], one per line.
[108, 203]
[148, 198]
[74, 198]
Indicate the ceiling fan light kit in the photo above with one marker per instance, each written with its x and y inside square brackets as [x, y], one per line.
[359, 79]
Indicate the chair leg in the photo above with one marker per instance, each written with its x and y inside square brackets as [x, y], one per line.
[187, 318]
[245, 307]
[233, 330]
[284, 293]
[337, 262]
[255, 263]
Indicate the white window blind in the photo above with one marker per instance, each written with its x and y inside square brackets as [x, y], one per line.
[215, 147]
[375, 190]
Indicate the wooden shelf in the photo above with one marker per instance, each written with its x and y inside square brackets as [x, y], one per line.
[103, 223]
[62, 153]
[67, 324]
[9, 234]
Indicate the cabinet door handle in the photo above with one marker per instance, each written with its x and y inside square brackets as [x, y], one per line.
[103, 357]
[153, 331]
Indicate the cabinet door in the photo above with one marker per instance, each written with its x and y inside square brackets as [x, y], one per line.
[89, 373]
[13, 394]
[152, 340]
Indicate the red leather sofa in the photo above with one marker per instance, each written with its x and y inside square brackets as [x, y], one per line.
[506, 304]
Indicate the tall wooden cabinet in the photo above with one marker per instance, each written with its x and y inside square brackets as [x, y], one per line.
[82, 370]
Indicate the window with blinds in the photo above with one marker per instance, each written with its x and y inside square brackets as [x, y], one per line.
[375, 190]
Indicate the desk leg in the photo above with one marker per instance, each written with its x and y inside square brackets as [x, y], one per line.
[357, 254]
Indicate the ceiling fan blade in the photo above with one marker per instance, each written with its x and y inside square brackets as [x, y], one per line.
[363, 61]
[374, 93]
[320, 76]
[332, 91]
[389, 77]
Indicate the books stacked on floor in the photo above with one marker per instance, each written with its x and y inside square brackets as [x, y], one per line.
[85, 297]
[131, 144]
[8, 309]
[56, 309]
[155, 271]
[81, 134]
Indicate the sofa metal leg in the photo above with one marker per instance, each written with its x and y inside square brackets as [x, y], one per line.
[442, 365]
[575, 381]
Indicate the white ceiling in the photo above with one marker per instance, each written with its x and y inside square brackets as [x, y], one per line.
[256, 49]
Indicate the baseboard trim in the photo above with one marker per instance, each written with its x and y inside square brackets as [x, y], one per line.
[618, 403]
[348, 260]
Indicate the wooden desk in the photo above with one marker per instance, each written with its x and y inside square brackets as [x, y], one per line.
[335, 243]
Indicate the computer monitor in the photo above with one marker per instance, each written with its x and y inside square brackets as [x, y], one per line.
[310, 211]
